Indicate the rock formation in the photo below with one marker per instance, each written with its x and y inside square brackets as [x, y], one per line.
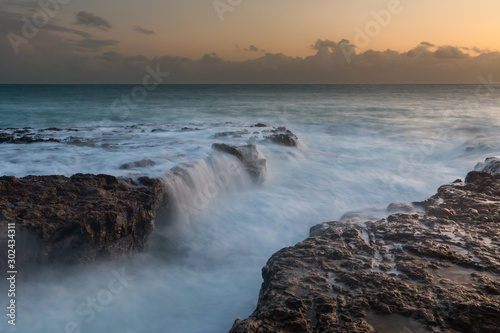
[249, 156]
[432, 271]
[81, 218]
[139, 164]
[282, 136]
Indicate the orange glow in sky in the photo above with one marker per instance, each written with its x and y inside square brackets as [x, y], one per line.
[193, 28]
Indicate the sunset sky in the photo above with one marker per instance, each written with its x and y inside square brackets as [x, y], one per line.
[250, 41]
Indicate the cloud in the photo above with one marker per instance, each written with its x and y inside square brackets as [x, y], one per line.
[95, 44]
[420, 51]
[449, 52]
[91, 20]
[140, 30]
[12, 22]
[253, 48]
[28, 6]
[211, 58]
[57, 28]
[51, 58]
[427, 44]
[323, 44]
[478, 50]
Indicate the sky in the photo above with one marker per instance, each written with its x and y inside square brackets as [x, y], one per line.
[249, 41]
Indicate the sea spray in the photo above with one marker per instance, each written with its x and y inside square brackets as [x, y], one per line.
[193, 187]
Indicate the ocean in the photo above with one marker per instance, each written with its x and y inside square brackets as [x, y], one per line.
[361, 147]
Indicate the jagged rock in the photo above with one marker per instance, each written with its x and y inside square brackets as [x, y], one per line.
[19, 137]
[282, 136]
[139, 164]
[283, 139]
[491, 164]
[400, 207]
[81, 218]
[234, 134]
[364, 214]
[433, 271]
[252, 159]
[72, 140]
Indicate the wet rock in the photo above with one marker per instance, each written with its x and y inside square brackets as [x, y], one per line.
[252, 159]
[491, 165]
[289, 140]
[260, 125]
[364, 214]
[400, 207]
[433, 271]
[23, 137]
[282, 136]
[139, 164]
[81, 218]
[234, 134]
[441, 212]
[82, 142]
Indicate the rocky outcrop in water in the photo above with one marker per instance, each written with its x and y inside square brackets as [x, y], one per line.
[282, 136]
[139, 164]
[23, 137]
[81, 218]
[249, 156]
[491, 164]
[234, 134]
[432, 271]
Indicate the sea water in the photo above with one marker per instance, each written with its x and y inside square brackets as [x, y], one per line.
[360, 147]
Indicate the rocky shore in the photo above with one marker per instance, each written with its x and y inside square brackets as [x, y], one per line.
[81, 218]
[435, 268]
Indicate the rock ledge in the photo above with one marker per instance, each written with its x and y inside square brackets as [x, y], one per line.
[432, 271]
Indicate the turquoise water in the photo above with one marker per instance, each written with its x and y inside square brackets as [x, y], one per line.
[361, 147]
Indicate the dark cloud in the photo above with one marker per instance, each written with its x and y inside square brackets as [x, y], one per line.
[253, 48]
[450, 52]
[323, 43]
[11, 22]
[140, 30]
[420, 51]
[211, 58]
[91, 20]
[57, 28]
[478, 50]
[25, 6]
[49, 58]
[95, 44]
[427, 44]
[475, 49]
